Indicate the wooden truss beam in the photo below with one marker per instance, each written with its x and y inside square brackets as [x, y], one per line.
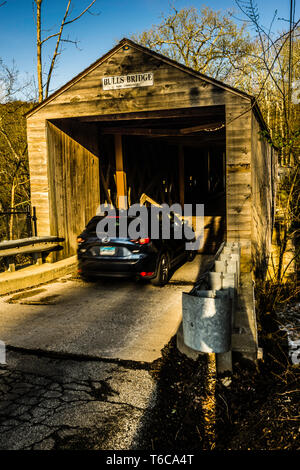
[161, 132]
[120, 174]
[197, 111]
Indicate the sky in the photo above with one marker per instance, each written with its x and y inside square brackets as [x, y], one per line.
[98, 33]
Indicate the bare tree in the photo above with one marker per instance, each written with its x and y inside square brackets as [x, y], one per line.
[276, 62]
[212, 43]
[273, 68]
[206, 40]
[44, 85]
[14, 172]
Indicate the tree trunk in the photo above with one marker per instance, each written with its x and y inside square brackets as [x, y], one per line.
[12, 205]
[39, 48]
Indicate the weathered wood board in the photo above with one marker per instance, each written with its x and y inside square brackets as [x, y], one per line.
[64, 157]
[73, 174]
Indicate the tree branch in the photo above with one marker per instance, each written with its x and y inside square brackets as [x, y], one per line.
[44, 89]
[81, 14]
[56, 49]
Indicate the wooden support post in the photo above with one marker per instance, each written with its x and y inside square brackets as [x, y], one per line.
[181, 174]
[208, 173]
[120, 174]
[224, 171]
[224, 362]
[38, 259]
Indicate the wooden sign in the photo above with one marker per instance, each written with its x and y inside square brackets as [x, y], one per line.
[127, 81]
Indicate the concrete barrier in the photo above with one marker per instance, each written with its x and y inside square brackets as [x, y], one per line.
[35, 275]
[230, 259]
[226, 282]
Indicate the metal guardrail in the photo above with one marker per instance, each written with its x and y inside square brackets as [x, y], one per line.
[24, 223]
[34, 246]
[208, 310]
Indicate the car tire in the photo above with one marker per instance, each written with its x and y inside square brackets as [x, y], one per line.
[89, 278]
[163, 268]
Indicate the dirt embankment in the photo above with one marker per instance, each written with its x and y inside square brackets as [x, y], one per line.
[258, 410]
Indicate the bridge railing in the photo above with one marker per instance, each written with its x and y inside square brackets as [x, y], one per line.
[37, 247]
[17, 224]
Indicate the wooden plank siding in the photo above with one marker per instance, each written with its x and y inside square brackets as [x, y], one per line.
[72, 152]
[238, 175]
[38, 167]
[73, 187]
[262, 182]
[173, 89]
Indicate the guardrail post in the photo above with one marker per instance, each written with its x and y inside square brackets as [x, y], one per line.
[10, 264]
[33, 246]
[37, 257]
[34, 219]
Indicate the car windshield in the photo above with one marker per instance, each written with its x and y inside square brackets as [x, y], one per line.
[113, 222]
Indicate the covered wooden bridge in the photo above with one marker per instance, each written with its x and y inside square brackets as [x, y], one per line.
[137, 122]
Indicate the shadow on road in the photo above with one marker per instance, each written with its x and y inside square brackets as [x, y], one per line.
[183, 406]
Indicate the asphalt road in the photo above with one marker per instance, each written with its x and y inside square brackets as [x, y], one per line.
[64, 404]
[111, 319]
[78, 359]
